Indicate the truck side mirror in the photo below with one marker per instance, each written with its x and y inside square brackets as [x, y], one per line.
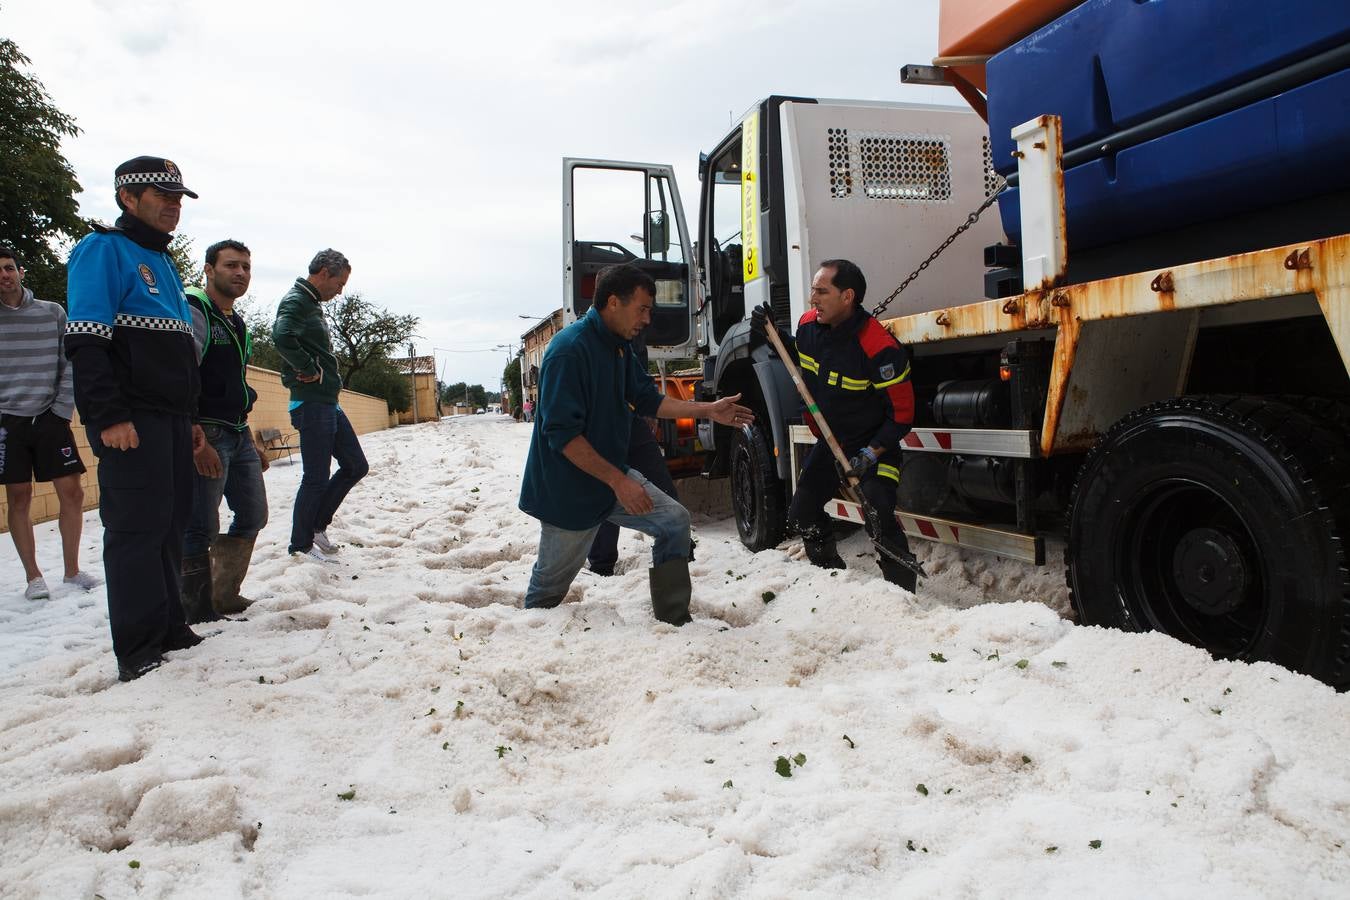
[658, 232]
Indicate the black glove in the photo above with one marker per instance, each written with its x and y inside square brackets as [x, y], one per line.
[862, 462]
[761, 320]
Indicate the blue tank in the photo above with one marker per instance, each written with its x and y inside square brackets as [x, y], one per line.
[1223, 106]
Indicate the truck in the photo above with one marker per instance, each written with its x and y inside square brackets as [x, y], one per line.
[1135, 356]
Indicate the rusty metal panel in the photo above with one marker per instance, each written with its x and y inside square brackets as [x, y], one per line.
[1120, 365]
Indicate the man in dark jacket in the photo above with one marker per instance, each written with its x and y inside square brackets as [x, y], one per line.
[227, 460]
[311, 372]
[859, 376]
[644, 454]
[590, 386]
[129, 340]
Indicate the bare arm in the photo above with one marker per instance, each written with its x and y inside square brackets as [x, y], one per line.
[630, 494]
[725, 411]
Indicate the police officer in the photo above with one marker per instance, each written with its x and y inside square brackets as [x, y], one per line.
[129, 340]
[859, 376]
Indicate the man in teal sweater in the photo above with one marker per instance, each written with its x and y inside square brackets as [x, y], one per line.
[311, 372]
[590, 386]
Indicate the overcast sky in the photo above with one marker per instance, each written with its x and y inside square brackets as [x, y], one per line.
[424, 141]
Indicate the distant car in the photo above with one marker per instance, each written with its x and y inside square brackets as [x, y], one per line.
[480, 411]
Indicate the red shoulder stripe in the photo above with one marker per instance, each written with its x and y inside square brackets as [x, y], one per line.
[874, 337]
[807, 317]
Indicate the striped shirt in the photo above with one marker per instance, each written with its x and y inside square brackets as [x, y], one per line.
[34, 373]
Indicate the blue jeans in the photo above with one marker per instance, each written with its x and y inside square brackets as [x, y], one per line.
[562, 553]
[241, 484]
[325, 435]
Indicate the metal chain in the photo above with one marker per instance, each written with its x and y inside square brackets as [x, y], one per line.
[960, 230]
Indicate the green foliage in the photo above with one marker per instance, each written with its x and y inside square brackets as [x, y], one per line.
[379, 378]
[783, 767]
[258, 319]
[187, 263]
[38, 212]
[459, 394]
[347, 795]
[511, 375]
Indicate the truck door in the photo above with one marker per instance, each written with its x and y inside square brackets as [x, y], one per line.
[626, 212]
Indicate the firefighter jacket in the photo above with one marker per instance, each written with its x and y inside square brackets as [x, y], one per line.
[859, 376]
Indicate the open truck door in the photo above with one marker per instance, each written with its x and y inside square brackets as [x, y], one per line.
[627, 212]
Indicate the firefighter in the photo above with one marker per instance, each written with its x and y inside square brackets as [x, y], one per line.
[859, 376]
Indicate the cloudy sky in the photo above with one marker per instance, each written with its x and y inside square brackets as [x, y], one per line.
[425, 141]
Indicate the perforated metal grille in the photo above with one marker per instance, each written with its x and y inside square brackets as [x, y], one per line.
[841, 173]
[990, 176]
[912, 167]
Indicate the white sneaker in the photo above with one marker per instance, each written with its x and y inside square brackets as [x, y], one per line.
[323, 543]
[317, 555]
[83, 580]
[37, 589]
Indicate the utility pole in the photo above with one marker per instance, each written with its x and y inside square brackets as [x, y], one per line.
[412, 371]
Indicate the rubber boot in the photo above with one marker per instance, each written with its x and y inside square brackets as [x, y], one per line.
[820, 548]
[229, 558]
[195, 589]
[670, 591]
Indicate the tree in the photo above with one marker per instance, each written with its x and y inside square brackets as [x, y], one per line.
[512, 378]
[380, 378]
[460, 394]
[364, 333]
[189, 268]
[258, 320]
[38, 212]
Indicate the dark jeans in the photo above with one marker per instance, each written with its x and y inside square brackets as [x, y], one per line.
[241, 484]
[644, 454]
[145, 496]
[819, 483]
[325, 435]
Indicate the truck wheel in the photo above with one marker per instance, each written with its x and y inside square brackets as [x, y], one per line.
[756, 491]
[1221, 521]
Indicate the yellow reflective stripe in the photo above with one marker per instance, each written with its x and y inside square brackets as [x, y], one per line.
[809, 363]
[890, 472]
[855, 384]
[901, 377]
[833, 379]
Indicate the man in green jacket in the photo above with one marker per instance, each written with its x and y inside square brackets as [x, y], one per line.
[227, 459]
[310, 370]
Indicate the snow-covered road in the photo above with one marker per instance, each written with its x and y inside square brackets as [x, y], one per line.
[398, 727]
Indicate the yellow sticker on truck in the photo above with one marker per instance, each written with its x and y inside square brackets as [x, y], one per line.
[750, 196]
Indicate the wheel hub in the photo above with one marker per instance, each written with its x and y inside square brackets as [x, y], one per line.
[1210, 571]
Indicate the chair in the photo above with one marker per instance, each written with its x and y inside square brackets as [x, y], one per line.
[273, 441]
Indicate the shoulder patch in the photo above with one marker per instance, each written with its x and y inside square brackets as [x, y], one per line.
[887, 372]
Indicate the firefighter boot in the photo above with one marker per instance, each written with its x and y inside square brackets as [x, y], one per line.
[670, 591]
[229, 558]
[195, 589]
[820, 548]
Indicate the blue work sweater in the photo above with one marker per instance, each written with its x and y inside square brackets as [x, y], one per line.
[590, 384]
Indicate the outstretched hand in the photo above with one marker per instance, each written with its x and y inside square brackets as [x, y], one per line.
[728, 412]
